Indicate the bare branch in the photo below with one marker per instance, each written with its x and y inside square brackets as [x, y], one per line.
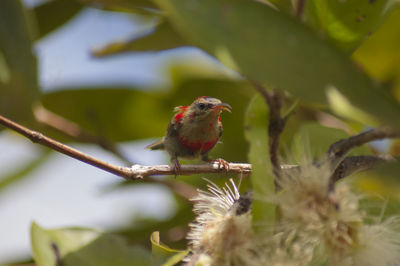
[37, 137]
[339, 149]
[276, 125]
[142, 171]
[299, 9]
[355, 164]
[129, 173]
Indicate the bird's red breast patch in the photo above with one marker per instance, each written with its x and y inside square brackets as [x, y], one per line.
[198, 145]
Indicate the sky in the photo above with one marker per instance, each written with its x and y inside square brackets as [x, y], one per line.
[62, 191]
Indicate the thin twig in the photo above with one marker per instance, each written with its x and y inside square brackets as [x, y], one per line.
[276, 125]
[73, 130]
[37, 137]
[338, 150]
[142, 171]
[354, 164]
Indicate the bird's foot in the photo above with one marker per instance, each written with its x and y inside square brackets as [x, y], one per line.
[222, 164]
[176, 167]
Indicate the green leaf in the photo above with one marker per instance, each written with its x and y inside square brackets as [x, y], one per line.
[269, 46]
[163, 255]
[348, 23]
[19, 86]
[379, 54]
[53, 14]
[256, 132]
[381, 182]
[134, 6]
[78, 246]
[314, 140]
[24, 170]
[162, 37]
[116, 114]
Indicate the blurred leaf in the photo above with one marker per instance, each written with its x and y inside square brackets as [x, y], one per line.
[129, 3]
[283, 52]
[380, 56]
[163, 255]
[19, 89]
[394, 148]
[162, 37]
[24, 170]
[382, 182]
[313, 139]
[117, 114]
[141, 228]
[135, 6]
[53, 14]
[342, 107]
[256, 132]
[283, 5]
[77, 246]
[348, 23]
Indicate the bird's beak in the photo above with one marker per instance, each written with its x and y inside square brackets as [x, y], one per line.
[224, 106]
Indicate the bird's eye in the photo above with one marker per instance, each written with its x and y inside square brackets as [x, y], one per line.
[202, 106]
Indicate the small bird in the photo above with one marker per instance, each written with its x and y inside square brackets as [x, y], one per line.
[194, 131]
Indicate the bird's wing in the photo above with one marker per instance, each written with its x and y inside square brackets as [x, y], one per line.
[158, 145]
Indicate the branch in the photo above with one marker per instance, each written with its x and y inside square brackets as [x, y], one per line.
[276, 125]
[37, 137]
[339, 149]
[142, 171]
[299, 9]
[355, 164]
[129, 173]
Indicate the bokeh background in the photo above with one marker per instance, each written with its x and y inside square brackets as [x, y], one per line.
[56, 191]
[103, 76]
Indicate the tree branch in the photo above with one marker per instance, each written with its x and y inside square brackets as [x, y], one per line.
[339, 149]
[299, 9]
[142, 171]
[276, 125]
[355, 164]
[129, 173]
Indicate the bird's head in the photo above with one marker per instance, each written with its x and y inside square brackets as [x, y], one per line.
[205, 108]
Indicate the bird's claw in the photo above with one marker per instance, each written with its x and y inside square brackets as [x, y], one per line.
[222, 164]
[176, 167]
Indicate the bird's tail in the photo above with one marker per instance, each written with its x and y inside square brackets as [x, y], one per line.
[158, 145]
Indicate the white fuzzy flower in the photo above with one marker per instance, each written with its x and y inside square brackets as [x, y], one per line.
[222, 232]
[331, 222]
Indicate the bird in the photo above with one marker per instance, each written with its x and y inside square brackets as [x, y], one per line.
[193, 131]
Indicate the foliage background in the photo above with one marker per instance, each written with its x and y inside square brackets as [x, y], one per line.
[343, 65]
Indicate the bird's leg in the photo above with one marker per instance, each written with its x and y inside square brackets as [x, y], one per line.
[222, 164]
[176, 166]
